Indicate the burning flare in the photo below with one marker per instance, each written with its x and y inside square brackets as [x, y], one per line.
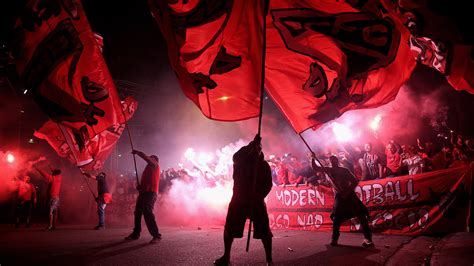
[10, 158]
[375, 124]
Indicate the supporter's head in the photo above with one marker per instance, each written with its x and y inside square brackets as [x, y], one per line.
[368, 147]
[334, 160]
[405, 148]
[411, 150]
[155, 158]
[26, 179]
[390, 147]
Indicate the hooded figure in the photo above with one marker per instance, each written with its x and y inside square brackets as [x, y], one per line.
[252, 183]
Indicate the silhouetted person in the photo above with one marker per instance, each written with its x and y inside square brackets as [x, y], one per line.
[148, 189]
[26, 197]
[54, 186]
[346, 203]
[248, 201]
[103, 197]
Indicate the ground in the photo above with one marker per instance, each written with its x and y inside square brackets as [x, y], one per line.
[79, 245]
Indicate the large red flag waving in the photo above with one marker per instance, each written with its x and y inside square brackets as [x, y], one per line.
[60, 59]
[90, 154]
[215, 49]
[326, 57]
[437, 39]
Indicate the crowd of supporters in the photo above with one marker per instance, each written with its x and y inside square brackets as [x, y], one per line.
[366, 162]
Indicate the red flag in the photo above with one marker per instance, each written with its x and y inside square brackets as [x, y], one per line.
[60, 59]
[325, 58]
[215, 48]
[437, 40]
[102, 144]
[62, 140]
[454, 62]
[87, 153]
[461, 68]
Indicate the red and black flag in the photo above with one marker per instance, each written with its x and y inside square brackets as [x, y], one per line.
[60, 60]
[440, 37]
[90, 154]
[325, 57]
[215, 49]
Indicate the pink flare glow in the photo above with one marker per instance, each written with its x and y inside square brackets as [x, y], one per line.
[375, 123]
[10, 158]
[342, 133]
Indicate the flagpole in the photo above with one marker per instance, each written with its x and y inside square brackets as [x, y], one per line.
[262, 89]
[75, 157]
[131, 146]
[87, 182]
[316, 158]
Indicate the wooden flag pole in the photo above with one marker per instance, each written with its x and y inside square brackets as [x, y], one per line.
[68, 141]
[262, 89]
[322, 166]
[131, 146]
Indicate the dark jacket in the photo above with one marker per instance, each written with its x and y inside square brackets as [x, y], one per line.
[245, 161]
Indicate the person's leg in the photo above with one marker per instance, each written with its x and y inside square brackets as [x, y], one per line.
[101, 214]
[50, 220]
[228, 240]
[267, 245]
[336, 224]
[225, 259]
[137, 229]
[261, 228]
[364, 223]
[150, 216]
[55, 218]
[29, 208]
[17, 213]
[56, 212]
[234, 228]
[51, 216]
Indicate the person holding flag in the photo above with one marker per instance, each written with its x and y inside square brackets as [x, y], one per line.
[346, 203]
[54, 186]
[148, 189]
[102, 199]
[251, 186]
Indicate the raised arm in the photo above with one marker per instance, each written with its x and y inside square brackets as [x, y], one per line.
[88, 175]
[42, 173]
[145, 157]
[313, 164]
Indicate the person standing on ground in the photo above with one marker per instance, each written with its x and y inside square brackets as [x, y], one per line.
[346, 203]
[148, 189]
[103, 197]
[26, 197]
[54, 187]
[248, 199]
